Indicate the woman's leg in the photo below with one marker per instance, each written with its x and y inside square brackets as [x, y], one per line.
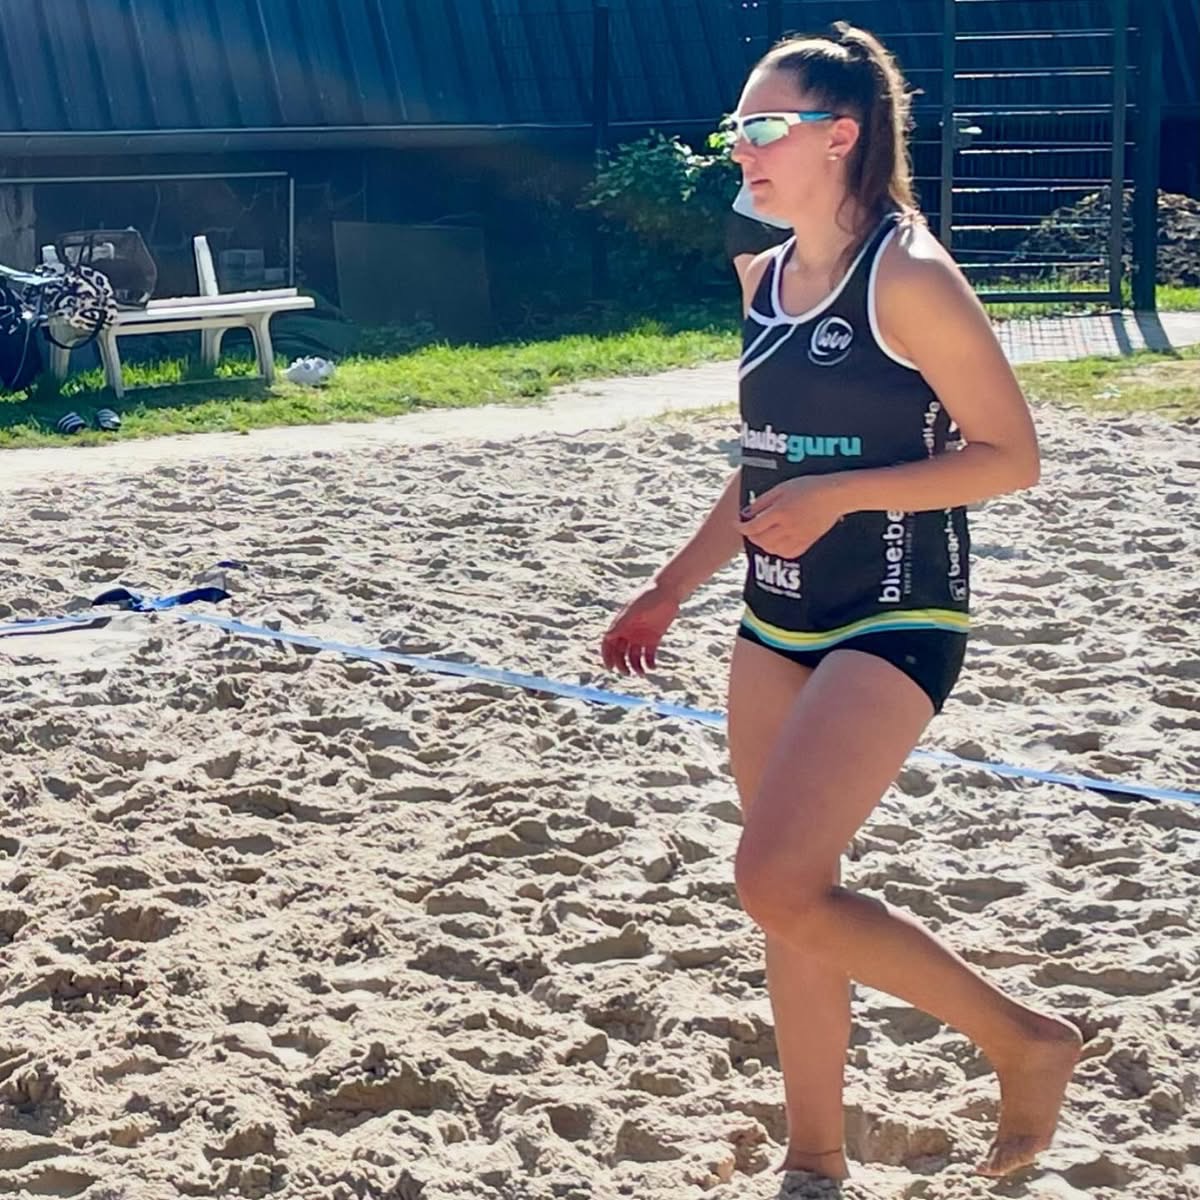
[842, 744]
[809, 996]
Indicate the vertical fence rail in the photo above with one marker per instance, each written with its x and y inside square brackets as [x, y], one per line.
[1034, 132]
[774, 21]
[601, 71]
[1148, 154]
[949, 66]
[1120, 98]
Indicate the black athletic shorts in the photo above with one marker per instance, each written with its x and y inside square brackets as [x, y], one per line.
[931, 658]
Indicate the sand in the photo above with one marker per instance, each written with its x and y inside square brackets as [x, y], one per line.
[277, 923]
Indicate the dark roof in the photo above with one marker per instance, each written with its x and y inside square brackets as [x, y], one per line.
[166, 71]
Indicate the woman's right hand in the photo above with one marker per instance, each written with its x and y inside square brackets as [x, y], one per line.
[631, 642]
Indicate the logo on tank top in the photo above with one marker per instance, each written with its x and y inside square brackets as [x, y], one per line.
[897, 535]
[954, 560]
[778, 575]
[830, 342]
[796, 447]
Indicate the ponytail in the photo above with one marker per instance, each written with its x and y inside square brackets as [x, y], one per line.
[850, 72]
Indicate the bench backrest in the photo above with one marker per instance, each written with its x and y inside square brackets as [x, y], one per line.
[206, 274]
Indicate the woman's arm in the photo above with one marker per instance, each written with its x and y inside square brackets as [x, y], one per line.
[630, 644]
[718, 539]
[928, 314]
[709, 549]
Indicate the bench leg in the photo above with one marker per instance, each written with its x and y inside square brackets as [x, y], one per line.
[110, 356]
[60, 361]
[260, 330]
[210, 347]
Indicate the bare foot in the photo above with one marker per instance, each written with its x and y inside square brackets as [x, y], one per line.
[829, 1165]
[1032, 1087]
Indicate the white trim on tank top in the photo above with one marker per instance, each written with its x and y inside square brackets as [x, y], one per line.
[749, 362]
[873, 316]
[775, 266]
[779, 316]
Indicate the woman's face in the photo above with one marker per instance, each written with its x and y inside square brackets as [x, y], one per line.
[787, 176]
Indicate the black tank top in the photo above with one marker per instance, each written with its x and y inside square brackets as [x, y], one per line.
[821, 393]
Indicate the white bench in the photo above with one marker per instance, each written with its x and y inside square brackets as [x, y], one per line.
[212, 313]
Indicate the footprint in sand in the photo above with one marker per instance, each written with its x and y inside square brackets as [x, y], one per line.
[12, 921]
[58, 1181]
[1156, 974]
[573, 1122]
[975, 894]
[631, 942]
[894, 1141]
[374, 1085]
[139, 923]
[904, 1025]
[20, 1150]
[1099, 1172]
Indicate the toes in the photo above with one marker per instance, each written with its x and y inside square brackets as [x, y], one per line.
[988, 1168]
[1006, 1157]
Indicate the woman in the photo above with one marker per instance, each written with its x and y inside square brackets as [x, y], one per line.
[863, 346]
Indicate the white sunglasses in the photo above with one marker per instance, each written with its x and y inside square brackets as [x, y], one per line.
[761, 129]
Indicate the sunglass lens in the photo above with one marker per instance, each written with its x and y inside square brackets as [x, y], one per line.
[765, 130]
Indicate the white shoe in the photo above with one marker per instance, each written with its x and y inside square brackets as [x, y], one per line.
[311, 372]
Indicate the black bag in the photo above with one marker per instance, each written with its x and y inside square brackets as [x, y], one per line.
[120, 254]
[20, 351]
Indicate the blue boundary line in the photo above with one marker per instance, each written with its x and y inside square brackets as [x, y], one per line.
[113, 603]
[88, 618]
[93, 617]
[591, 695]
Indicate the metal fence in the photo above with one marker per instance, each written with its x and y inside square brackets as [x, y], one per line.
[1034, 120]
[1029, 118]
[1066, 95]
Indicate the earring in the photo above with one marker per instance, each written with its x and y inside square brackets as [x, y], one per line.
[834, 157]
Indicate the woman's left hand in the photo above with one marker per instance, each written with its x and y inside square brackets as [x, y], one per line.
[793, 515]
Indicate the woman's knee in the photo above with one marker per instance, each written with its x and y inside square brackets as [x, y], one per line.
[779, 891]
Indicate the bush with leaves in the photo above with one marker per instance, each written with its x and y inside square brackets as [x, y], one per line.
[666, 206]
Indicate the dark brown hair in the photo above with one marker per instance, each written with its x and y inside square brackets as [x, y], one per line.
[851, 73]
